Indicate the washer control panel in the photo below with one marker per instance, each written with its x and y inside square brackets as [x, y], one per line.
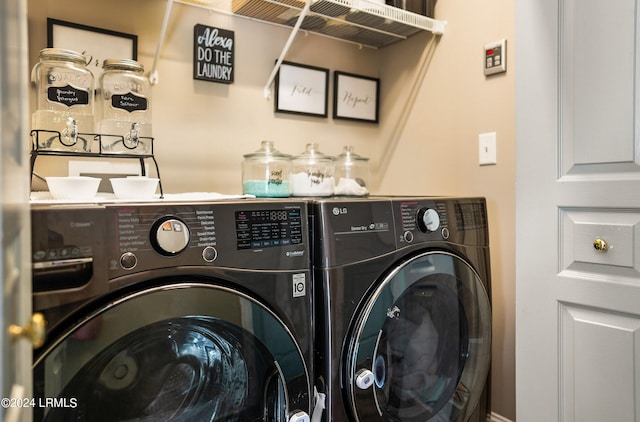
[266, 228]
[247, 234]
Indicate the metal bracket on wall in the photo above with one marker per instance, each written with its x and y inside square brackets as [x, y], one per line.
[285, 49]
[153, 74]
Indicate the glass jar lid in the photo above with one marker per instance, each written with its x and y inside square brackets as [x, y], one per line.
[62, 54]
[122, 64]
[349, 157]
[313, 155]
[267, 150]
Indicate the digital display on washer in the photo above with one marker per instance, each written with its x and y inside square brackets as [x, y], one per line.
[258, 229]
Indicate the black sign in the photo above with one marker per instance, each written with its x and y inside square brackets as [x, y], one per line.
[213, 54]
[68, 95]
[129, 102]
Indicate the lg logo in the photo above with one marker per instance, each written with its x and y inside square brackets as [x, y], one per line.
[339, 210]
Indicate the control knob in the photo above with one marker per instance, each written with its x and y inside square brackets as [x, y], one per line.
[428, 220]
[170, 236]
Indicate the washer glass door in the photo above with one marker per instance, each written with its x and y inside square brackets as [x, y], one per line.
[421, 347]
[185, 352]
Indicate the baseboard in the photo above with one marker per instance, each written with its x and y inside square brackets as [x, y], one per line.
[494, 417]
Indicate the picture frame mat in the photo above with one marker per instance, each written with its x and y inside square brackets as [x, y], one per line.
[356, 97]
[302, 89]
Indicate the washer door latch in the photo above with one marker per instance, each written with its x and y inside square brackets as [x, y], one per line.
[364, 379]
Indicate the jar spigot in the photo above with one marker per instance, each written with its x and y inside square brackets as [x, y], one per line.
[70, 132]
[132, 139]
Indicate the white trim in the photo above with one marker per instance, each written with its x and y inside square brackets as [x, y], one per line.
[494, 417]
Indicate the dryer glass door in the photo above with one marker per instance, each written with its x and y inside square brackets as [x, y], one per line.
[422, 343]
[185, 352]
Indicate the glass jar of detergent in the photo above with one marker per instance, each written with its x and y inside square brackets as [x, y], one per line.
[265, 172]
[312, 173]
[63, 94]
[124, 108]
[351, 174]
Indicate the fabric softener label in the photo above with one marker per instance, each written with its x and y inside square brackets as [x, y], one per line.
[129, 102]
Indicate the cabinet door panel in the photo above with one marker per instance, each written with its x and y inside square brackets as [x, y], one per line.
[597, 354]
[616, 231]
[599, 85]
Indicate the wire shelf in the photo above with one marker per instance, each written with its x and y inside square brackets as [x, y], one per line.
[359, 21]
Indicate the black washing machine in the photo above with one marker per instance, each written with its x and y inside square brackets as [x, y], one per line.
[403, 313]
[172, 311]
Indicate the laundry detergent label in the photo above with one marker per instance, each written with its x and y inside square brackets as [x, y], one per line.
[68, 95]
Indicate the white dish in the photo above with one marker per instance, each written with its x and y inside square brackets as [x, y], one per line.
[80, 188]
[134, 187]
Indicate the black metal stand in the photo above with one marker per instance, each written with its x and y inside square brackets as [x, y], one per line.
[88, 139]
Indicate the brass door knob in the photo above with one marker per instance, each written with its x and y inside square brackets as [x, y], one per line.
[600, 245]
[34, 330]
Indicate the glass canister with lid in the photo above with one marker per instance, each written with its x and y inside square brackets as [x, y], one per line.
[265, 172]
[63, 94]
[351, 174]
[124, 108]
[312, 173]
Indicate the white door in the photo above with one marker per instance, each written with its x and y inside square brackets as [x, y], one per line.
[578, 210]
[15, 311]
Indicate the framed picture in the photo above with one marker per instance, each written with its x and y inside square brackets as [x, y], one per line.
[356, 97]
[96, 44]
[301, 89]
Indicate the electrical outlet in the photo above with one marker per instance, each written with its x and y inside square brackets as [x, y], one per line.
[487, 149]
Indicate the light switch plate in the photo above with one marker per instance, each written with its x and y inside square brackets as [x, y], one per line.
[487, 149]
[495, 57]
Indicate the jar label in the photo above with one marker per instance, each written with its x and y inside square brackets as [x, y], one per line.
[129, 102]
[68, 95]
[276, 177]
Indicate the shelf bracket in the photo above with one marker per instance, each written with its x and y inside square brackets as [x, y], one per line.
[153, 74]
[276, 68]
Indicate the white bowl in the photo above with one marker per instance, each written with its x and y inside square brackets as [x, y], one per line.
[73, 187]
[134, 187]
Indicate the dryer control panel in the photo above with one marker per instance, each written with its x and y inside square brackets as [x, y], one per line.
[420, 217]
[360, 229]
[457, 220]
